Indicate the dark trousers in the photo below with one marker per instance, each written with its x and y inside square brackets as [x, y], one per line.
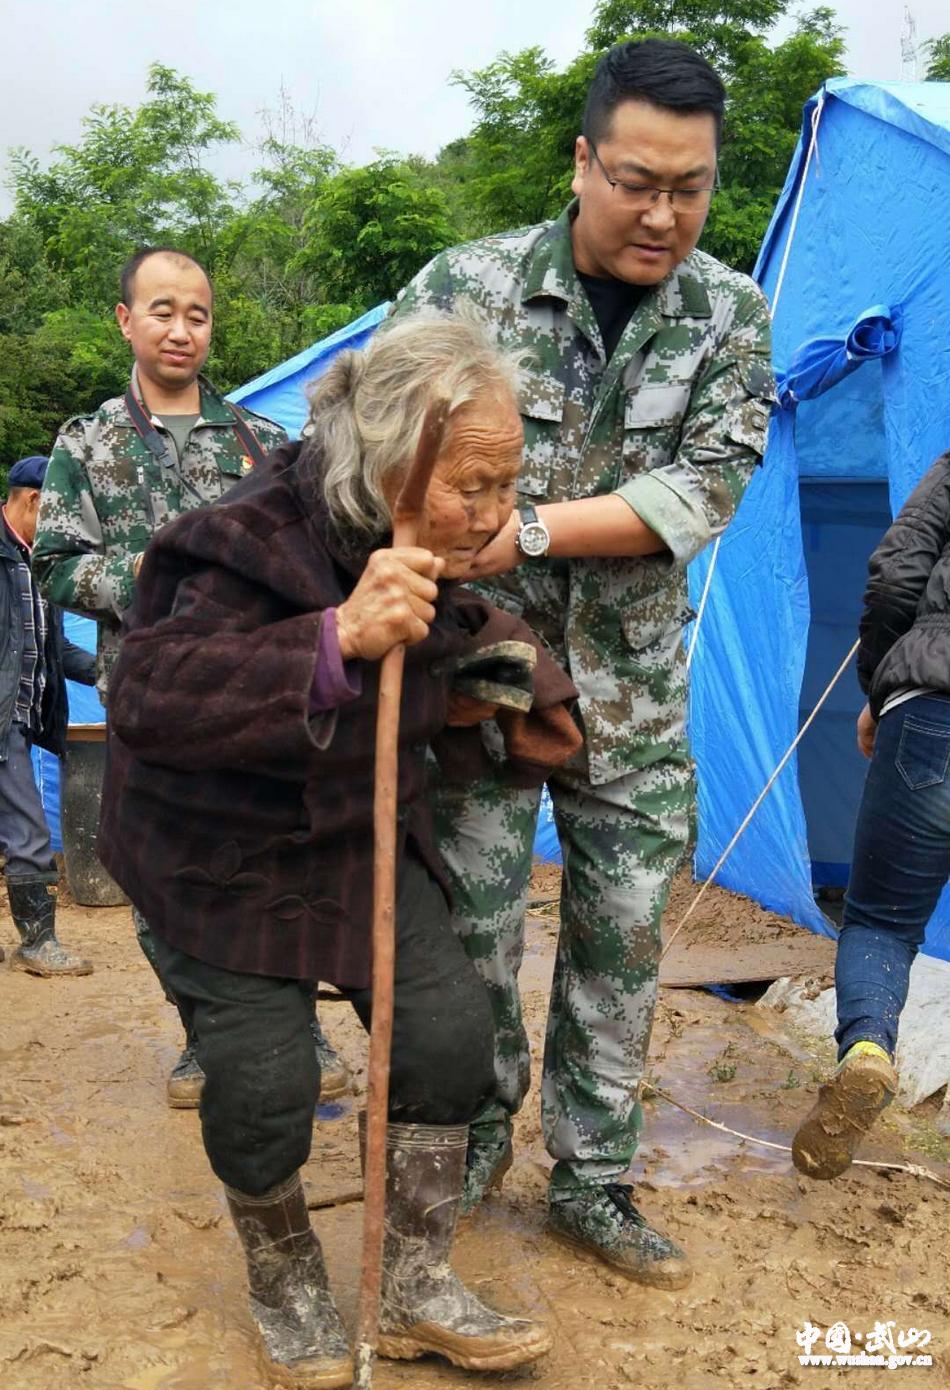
[24, 834]
[900, 864]
[254, 1044]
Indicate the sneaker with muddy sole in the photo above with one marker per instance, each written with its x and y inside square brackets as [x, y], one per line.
[603, 1221]
[335, 1078]
[847, 1106]
[185, 1081]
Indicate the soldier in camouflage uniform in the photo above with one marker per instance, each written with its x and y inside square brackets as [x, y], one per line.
[115, 476]
[645, 406]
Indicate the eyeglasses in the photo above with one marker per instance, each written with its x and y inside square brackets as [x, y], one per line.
[685, 202]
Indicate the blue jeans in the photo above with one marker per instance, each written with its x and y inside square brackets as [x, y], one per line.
[900, 864]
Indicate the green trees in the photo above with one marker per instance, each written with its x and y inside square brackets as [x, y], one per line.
[518, 159]
[938, 59]
[307, 243]
[134, 177]
[370, 229]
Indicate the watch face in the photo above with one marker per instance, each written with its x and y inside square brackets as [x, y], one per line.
[533, 539]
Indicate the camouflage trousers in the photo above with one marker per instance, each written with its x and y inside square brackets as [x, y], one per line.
[621, 843]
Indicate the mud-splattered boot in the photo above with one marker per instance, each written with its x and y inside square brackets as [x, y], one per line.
[335, 1079]
[603, 1221]
[425, 1307]
[33, 908]
[290, 1296]
[847, 1106]
[487, 1160]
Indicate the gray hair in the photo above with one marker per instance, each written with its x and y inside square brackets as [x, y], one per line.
[366, 411]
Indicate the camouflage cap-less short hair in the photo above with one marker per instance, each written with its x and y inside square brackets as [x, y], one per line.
[663, 72]
[130, 269]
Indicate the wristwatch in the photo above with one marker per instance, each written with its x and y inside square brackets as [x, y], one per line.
[533, 537]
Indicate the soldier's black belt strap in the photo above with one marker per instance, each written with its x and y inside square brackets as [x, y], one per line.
[149, 435]
[157, 446]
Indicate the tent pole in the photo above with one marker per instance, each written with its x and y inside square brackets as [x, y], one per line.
[812, 149]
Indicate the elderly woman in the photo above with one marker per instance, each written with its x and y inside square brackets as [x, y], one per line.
[238, 816]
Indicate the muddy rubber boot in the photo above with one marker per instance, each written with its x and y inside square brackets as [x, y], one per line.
[335, 1079]
[425, 1307]
[488, 1158]
[186, 1079]
[603, 1221]
[33, 908]
[290, 1296]
[847, 1106]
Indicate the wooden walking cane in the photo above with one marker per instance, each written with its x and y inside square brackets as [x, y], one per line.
[407, 514]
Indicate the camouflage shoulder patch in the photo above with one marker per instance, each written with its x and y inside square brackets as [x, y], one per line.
[755, 370]
[255, 417]
[517, 239]
[716, 275]
[76, 423]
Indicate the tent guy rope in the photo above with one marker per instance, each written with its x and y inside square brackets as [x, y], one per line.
[759, 799]
[700, 612]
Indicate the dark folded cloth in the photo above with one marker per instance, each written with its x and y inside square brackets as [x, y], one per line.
[506, 674]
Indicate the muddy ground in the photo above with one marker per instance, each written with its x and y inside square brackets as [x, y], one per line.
[119, 1270]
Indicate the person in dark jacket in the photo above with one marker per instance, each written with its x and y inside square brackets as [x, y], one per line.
[36, 659]
[901, 858]
[240, 784]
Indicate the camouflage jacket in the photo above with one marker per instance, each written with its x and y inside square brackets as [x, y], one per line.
[674, 423]
[105, 495]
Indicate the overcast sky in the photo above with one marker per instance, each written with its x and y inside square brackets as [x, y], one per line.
[375, 73]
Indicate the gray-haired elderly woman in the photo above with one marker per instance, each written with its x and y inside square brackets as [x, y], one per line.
[238, 815]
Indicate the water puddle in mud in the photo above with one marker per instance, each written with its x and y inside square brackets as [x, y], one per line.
[333, 1109]
[137, 1239]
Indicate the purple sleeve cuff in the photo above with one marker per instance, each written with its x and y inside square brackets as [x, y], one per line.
[335, 681]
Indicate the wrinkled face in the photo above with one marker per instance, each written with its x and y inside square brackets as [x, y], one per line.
[169, 323]
[472, 492]
[646, 145]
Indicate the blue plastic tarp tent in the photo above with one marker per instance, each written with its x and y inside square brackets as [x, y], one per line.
[855, 263]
